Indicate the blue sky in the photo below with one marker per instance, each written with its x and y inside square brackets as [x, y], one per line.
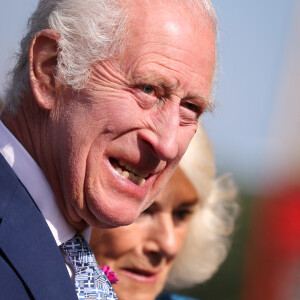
[252, 44]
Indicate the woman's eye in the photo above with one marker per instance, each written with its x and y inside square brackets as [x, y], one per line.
[182, 215]
[148, 211]
[148, 89]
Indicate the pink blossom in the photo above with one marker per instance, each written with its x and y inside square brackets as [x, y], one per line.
[111, 275]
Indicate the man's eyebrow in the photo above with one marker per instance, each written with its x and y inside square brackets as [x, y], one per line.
[156, 79]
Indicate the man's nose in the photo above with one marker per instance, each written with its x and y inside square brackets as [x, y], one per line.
[163, 134]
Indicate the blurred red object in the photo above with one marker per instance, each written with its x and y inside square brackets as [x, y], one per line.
[272, 265]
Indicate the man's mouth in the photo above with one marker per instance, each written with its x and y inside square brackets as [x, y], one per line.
[128, 171]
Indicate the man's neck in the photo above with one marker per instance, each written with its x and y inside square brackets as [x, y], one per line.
[29, 126]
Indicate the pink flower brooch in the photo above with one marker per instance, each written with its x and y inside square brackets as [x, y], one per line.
[111, 275]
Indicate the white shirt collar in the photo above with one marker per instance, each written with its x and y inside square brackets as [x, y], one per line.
[37, 185]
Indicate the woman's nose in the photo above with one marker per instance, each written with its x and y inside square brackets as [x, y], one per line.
[163, 237]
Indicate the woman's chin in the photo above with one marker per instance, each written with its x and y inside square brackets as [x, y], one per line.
[137, 287]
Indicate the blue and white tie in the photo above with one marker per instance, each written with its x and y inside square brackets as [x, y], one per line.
[90, 281]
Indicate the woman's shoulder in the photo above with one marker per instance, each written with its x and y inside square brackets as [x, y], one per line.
[168, 296]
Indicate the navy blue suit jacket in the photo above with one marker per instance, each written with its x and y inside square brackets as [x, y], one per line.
[31, 264]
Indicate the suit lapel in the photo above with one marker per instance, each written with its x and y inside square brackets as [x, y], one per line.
[27, 242]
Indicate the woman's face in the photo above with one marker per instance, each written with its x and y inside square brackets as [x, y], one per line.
[142, 253]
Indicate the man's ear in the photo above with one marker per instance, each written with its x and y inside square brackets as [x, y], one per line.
[42, 67]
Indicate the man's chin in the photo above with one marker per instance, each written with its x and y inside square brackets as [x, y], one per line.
[109, 224]
[110, 209]
[112, 219]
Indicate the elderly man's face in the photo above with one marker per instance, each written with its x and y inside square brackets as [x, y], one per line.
[119, 140]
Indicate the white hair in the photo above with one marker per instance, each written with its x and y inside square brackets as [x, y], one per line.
[90, 31]
[208, 238]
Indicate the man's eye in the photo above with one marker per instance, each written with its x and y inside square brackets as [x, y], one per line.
[191, 106]
[148, 89]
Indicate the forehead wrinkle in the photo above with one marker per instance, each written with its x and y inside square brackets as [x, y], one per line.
[165, 58]
[161, 77]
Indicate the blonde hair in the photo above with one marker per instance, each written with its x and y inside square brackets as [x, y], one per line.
[208, 238]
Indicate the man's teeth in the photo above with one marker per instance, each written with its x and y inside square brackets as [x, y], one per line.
[131, 173]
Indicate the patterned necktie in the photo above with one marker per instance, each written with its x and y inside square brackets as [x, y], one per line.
[90, 281]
